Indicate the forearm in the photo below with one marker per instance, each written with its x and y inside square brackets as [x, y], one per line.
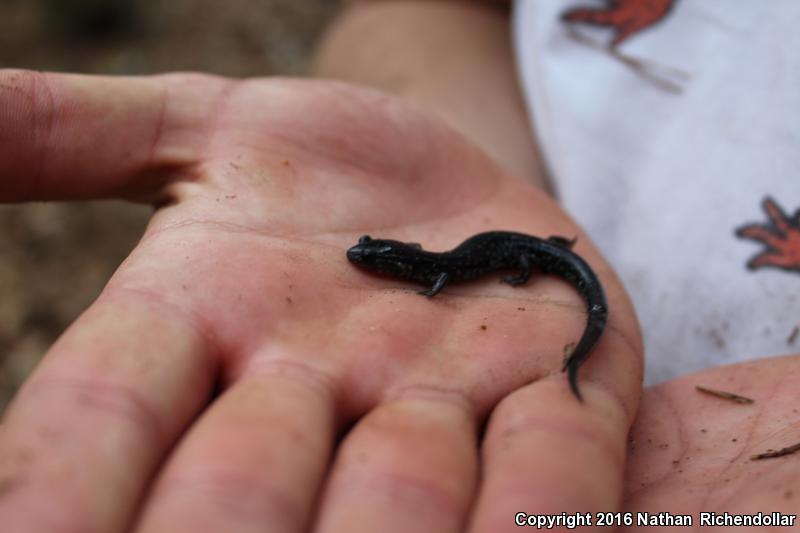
[451, 57]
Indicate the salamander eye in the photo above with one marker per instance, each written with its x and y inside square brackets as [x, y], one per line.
[364, 239]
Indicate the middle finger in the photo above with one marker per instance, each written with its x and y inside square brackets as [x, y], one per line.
[254, 460]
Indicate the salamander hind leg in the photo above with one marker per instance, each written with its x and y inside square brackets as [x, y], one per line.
[438, 285]
[525, 271]
[562, 241]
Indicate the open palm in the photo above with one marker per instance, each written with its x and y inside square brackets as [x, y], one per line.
[690, 453]
[238, 374]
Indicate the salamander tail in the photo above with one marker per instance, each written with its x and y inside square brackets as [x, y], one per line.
[571, 366]
[596, 322]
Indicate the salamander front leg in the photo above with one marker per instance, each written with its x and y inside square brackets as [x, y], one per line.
[441, 281]
[525, 271]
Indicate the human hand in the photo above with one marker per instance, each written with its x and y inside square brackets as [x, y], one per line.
[238, 374]
[691, 453]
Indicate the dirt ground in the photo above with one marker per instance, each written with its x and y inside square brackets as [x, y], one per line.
[55, 258]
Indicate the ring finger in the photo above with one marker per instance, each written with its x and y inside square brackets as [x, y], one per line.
[409, 465]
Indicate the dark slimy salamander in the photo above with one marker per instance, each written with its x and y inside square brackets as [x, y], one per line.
[489, 252]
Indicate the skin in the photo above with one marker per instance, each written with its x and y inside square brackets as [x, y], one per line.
[477, 93]
[237, 374]
[238, 371]
[233, 349]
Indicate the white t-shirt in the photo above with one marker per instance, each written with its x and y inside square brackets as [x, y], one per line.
[685, 169]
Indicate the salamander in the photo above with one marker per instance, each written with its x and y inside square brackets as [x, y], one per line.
[489, 252]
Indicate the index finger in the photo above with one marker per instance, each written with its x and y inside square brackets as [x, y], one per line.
[72, 137]
[84, 435]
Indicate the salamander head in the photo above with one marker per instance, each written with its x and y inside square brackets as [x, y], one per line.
[384, 255]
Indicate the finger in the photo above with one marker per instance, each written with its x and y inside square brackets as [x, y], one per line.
[254, 462]
[86, 432]
[78, 137]
[410, 465]
[547, 454]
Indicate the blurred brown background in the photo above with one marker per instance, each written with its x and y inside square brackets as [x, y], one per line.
[55, 258]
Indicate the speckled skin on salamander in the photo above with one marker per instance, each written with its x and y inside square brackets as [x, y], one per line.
[488, 252]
